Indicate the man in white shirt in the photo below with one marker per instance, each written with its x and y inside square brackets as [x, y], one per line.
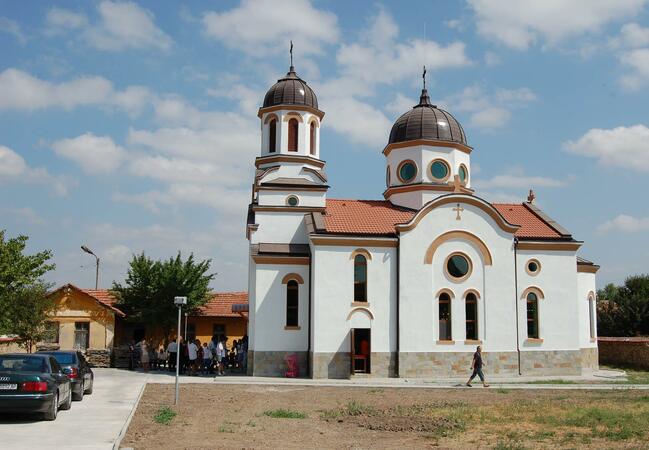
[192, 351]
[172, 348]
[220, 354]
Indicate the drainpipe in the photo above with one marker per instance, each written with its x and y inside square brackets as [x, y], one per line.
[308, 351]
[518, 344]
[398, 307]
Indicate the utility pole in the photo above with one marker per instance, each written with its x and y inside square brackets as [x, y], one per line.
[90, 252]
[179, 302]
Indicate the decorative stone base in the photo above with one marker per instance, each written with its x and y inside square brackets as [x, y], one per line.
[331, 365]
[384, 365]
[590, 358]
[273, 363]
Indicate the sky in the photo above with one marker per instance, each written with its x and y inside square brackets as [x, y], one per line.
[131, 126]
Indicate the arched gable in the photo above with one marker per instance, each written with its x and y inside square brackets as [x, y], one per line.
[461, 235]
[472, 200]
[292, 115]
[292, 276]
[270, 117]
[472, 291]
[445, 291]
[360, 309]
[536, 290]
[361, 251]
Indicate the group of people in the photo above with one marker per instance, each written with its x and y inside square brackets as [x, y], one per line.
[213, 357]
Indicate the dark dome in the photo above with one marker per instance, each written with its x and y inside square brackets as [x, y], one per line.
[427, 121]
[290, 90]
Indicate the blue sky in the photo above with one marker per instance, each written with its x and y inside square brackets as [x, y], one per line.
[132, 127]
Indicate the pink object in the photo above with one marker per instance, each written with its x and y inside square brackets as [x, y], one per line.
[293, 367]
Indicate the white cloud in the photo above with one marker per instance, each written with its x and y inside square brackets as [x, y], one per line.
[13, 28]
[626, 224]
[117, 255]
[637, 61]
[22, 91]
[361, 122]
[95, 154]
[517, 179]
[522, 23]
[632, 35]
[626, 147]
[260, 27]
[23, 215]
[489, 111]
[491, 59]
[14, 169]
[121, 25]
[400, 104]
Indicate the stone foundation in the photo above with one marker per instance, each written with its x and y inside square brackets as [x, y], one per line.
[273, 363]
[590, 358]
[331, 365]
[384, 365]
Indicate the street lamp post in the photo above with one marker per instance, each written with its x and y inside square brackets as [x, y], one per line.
[179, 302]
[87, 250]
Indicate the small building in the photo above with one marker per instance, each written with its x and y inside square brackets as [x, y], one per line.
[225, 314]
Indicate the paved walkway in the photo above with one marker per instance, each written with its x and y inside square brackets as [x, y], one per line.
[93, 423]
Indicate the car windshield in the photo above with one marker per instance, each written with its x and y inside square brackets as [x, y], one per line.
[64, 358]
[22, 364]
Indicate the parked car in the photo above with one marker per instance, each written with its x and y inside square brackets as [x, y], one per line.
[77, 369]
[33, 383]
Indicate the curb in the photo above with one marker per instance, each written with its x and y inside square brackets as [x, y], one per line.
[122, 432]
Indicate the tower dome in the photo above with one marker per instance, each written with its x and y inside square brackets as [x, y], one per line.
[427, 121]
[290, 90]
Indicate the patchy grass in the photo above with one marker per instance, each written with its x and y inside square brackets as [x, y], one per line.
[164, 415]
[557, 381]
[284, 414]
[375, 391]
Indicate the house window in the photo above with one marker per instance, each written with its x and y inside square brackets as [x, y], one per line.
[218, 329]
[445, 333]
[591, 316]
[292, 135]
[532, 316]
[312, 138]
[272, 136]
[51, 334]
[360, 278]
[292, 303]
[81, 335]
[471, 307]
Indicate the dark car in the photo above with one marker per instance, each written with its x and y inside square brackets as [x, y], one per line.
[76, 367]
[33, 383]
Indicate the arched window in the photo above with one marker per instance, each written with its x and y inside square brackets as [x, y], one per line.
[312, 138]
[532, 316]
[445, 333]
[591, 315]
[272, 136]
[292, 303]
[292, 135]
[471, 308]
[360, 278]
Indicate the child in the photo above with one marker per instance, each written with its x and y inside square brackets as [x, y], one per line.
[207, 358]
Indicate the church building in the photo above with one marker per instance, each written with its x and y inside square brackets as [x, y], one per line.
[406, 286]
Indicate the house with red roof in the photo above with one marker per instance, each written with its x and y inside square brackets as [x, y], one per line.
[408, 285]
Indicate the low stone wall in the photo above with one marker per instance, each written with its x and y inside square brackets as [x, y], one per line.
[273, 364]
[98, 357]
[331, 365]
[624, 351]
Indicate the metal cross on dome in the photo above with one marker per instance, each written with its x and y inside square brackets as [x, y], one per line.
[291, 52]
[424, 77]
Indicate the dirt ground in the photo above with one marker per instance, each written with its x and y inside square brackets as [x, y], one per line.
[222, 416]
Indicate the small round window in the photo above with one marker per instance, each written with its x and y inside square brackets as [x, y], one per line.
[439, 170]
[292, 200]
[458, 266]
[407, 171]
[464, 174]
[533, 267]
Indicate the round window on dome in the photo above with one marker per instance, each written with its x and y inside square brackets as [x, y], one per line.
[464, 174]
[458, 267]
[292, 200]
[533, 267]
[407, 171]
[439, 170]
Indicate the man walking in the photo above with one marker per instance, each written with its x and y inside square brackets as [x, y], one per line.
[476, 366]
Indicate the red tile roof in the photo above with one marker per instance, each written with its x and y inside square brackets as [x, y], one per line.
[104, 297]
[369, 217]
[220, 305]
[379, 217]
[531, 225]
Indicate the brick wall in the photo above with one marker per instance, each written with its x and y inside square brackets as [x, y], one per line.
[624, 351]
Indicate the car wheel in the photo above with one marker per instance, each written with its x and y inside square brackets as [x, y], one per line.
[53, 409]
[92, 383]
[78, 397]
[68, 402]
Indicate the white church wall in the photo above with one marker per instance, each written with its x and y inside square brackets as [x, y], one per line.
[333, 282]
[278, 198]
[558, 311]
[279, 227]
[585, 286]
[252, 297]
[420, 282]
[270, 309]
[291, 170]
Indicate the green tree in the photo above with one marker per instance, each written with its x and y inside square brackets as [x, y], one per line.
[24, 305]
[624, 310]
[150, 286]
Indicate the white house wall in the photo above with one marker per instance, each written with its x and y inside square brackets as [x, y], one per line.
[279, 227]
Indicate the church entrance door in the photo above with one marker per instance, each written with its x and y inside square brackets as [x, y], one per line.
[361, 350]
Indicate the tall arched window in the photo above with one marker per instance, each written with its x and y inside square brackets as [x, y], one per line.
[312, 138]
[591, 316]
[471, 308]
[292, 304]
[360, 278]
[292, 135]
[272, 136]
[445, 333]
[532, 316]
